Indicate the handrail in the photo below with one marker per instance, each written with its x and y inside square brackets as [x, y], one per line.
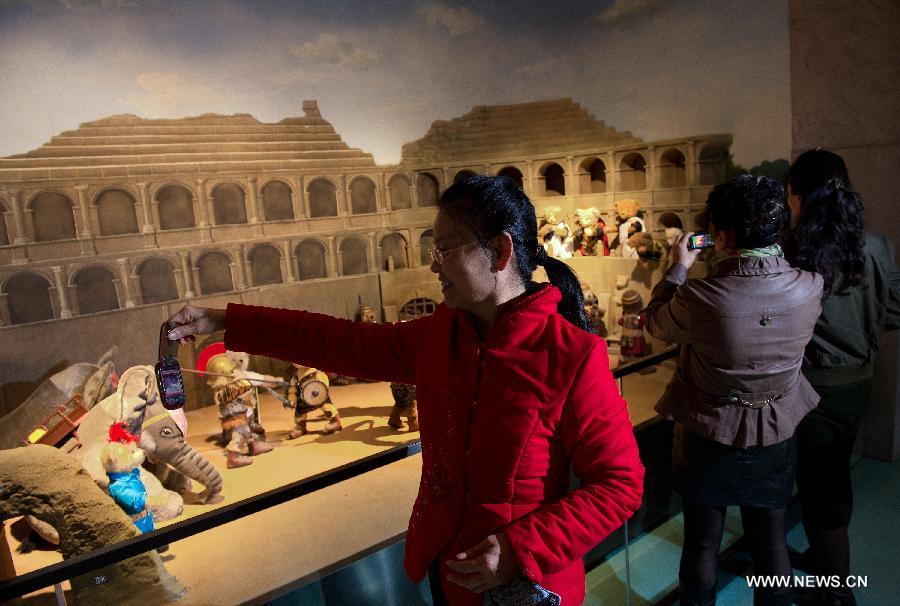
[633, 367]
[104, 556]
[84, 563]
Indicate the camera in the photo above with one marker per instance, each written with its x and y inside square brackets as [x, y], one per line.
[700, 241]
[168, 372]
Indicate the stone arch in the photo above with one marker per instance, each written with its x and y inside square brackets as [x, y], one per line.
[277, 201]
[511, 172]
[116, 212]
[28, 298]
[416, 308]
[214, 268]
[553, 178]
[95, 289]
[53, 216]
[713, 157]
[427, 188]
[354, 258]
[229, 207]
[669, 219]
[672, 172]
[465, 173]
[362, 196]
[426, 243]
[632, 172]
[156, 277]
[322, 198]
[4, 234]
[399, 189]
[265, 261]
[175, 206]
[310, 255]
[393, 245]
[592, 179]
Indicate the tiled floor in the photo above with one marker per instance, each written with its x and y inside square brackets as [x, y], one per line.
[874, 536]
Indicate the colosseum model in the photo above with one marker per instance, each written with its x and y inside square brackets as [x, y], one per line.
[108, 229]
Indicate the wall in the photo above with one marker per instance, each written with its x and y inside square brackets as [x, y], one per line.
[845, 79]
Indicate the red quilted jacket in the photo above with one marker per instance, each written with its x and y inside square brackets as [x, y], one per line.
[502, 420]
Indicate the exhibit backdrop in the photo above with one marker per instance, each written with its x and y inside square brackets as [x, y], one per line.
[289, 153]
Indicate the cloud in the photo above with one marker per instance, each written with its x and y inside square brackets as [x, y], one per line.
[98, 6]
[625, 14]
[457, 21]
[331, 49]
[166, 94]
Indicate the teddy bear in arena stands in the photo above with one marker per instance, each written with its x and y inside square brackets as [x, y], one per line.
[630, 221]
[554, 234]
[646, 248]
[590, 233]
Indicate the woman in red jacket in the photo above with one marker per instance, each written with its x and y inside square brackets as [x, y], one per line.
[513, 392]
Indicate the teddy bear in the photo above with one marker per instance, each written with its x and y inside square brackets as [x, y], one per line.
[646, 248]
[122, 459]
[555, 235]
[630, 221]
[590, 233]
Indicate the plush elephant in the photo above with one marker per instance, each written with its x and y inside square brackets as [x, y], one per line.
[137, 403]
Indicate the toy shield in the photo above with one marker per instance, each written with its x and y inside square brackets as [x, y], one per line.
[313, 392]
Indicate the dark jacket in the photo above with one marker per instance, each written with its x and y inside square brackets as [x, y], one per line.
[845, 341]
[503, 420]
[743, 333]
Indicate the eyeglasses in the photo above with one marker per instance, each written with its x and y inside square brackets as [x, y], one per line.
[439, 254]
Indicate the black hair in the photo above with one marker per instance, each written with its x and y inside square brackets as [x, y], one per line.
[828, 237]
[490, 206]
[753, 207]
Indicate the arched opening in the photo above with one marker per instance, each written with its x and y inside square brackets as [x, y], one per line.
[670, 219]
[399, 188]
[393, 246]
[228, 204]
[362, 196]
[426, 243]
[116, 213]
[672, 169]
[53, 217]
[28, 298]
[157, 281]
[176, 207]
[4, 235]
[513, 173]
[353, 257]
[592, 179]
[554, 180]
[95, 290]
[426, 189]
[215, 273]
[463, 174]
[633, 172]
[311, 260]
[276, 201]
[322, 198]
[713, 157]
[416, 308]
[265, 260]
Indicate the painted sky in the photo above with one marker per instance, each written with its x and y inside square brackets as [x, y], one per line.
[382, 71]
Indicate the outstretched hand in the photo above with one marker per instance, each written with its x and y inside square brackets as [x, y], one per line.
[191, 321]
[487, 565]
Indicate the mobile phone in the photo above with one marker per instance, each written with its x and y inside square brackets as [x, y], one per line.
[168, 372]
[700, 241]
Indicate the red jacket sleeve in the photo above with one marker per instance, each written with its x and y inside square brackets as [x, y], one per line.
[598, 438]
[383, 352]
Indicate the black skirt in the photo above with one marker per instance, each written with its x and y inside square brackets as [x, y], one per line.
[710, 474]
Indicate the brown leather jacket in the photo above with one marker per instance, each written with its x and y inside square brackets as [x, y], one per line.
[743, 331]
